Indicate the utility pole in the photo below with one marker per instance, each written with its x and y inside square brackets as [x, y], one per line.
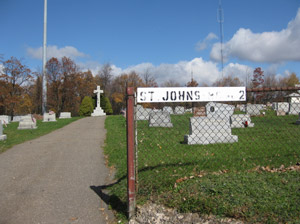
[44, 98]
[221, 20]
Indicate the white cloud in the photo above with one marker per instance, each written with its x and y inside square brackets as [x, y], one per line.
[203, 71]
[54, 51]
[201, 45]
[273, 47]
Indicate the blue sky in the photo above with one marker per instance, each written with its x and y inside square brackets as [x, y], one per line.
[171, 39]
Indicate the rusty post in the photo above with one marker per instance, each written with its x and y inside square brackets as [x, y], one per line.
[130, 153]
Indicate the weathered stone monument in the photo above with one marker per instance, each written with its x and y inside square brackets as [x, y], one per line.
[64, 115]
[294, 109]
[48, 117]
[204, 130]
[98, 110]
[27, 122]
[254, 109]
[2, 136]
[179, 110]
[17, 118]
[199, 112]
[142, 114]
[160, 119]
[241, 121]
[168, 109]
[219, 110]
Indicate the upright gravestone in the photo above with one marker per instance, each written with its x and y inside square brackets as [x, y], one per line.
[219, 110]
[49, 117]
[204, 130]
[17, 118]
[64, 115]
[2, 136]
[5, 119]
[179, 110]
[294, 108]
[254, 109]
[241, 121]
[98, 110]
[160, 119]
[142, 114]
[27, 122]
[168, 109]
[283, 106]
[199, 112]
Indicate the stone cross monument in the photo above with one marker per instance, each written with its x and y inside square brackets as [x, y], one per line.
[98, 110]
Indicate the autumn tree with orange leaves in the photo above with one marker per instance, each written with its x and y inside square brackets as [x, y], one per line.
[14, 77]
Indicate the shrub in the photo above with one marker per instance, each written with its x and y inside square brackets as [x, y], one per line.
[86, 106]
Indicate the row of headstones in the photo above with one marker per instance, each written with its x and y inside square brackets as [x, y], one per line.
[283, 108]
[214, 128]
[28, 121]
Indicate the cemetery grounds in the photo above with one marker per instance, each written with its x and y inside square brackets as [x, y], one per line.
[255, 180]
[15, 136]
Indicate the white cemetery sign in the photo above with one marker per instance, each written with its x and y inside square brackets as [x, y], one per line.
[190, 94]
[98, 110]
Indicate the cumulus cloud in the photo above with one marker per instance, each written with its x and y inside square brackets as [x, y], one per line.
[201, 45]
[54, 51]
[272, 47]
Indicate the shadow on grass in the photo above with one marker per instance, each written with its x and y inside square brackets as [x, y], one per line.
[112, 201]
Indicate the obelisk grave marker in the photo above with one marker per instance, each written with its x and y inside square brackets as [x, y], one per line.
[98, 110]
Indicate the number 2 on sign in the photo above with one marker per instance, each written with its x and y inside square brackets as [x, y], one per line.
[242, 92]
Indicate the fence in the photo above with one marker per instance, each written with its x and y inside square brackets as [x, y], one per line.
[175, 142]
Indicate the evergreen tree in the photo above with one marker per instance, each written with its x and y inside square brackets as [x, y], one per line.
[86, 106]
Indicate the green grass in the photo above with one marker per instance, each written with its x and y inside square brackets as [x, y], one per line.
[15, 136]
[227, 188]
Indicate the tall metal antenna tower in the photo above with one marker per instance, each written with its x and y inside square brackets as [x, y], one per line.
[44, 97]
[220, 18]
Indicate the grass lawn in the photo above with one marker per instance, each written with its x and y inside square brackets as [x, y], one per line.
[252, 180]
[15, 136]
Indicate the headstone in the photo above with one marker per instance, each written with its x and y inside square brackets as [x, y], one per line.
[160, 119]
[254, 109]
[17, 118]
[199, 112]
[243, 108]
[64, 115]
[5, 119]
[27, 122]
[294, 109]
[142, 114]
[283, 106]
[219, 110]
[2, 136]
[204, 130]
[49, 117]
[241, 121]
[179, 110]
[98, 110]
[168, 109]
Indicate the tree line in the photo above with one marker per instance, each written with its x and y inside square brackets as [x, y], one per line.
[67, 85]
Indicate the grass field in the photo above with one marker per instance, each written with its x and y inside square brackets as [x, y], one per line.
[15, 136]
[256, 180]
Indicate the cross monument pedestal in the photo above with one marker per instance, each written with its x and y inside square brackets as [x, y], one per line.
[98, 110]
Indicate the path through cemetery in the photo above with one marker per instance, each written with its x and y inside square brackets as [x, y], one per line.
[56, 178]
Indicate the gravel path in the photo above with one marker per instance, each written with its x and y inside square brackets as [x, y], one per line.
[56, 178]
